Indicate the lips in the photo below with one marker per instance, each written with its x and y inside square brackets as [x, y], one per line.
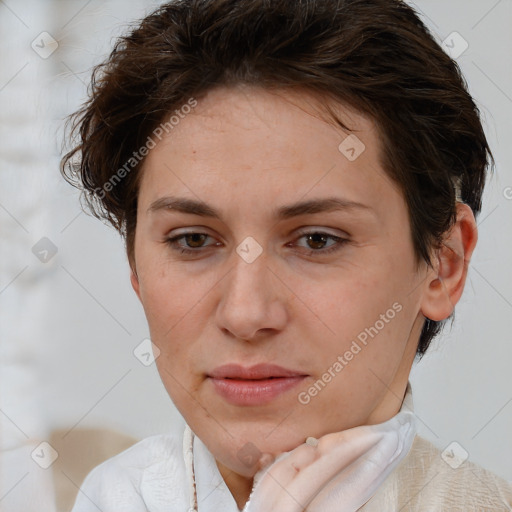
[256, 372]
[256, 385]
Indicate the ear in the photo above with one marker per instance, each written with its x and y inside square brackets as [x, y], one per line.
[445, 283]
[134, 279]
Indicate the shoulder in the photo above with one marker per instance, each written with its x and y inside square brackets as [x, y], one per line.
[428, 479]
[135, 476]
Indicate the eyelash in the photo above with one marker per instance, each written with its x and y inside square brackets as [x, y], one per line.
[172, 242]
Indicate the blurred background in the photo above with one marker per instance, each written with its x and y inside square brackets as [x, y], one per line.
[71, 327]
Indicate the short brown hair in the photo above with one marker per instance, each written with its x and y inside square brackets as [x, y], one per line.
[374, 55]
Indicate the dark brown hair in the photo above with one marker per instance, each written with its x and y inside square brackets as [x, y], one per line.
[374, 55]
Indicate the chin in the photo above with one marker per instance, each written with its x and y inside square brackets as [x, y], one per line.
[270, 439]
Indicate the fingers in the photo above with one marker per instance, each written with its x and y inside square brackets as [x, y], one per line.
[353, 487]
[295, 478]
[351, 450]
[353, 441]
[329, 441]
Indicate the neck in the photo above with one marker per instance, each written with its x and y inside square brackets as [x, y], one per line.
[240, 486]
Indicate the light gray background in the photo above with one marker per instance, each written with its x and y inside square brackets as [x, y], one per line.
[69, 327]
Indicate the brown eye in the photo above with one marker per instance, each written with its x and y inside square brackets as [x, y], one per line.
[317, 242]
[194, 242]
[195, 239]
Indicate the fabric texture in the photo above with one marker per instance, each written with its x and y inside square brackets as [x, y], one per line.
[152, 476]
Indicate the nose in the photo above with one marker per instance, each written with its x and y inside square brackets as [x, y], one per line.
[253, 301]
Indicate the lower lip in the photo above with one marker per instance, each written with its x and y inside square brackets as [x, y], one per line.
[254, 392]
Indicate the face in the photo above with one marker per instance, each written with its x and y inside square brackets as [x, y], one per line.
[264, 237]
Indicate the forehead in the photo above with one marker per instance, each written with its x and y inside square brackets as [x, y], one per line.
[263, 148]
[285, 115]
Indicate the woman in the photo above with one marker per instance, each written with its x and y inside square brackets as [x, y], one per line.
[297, 184]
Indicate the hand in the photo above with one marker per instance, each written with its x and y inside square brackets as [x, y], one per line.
[339, 474]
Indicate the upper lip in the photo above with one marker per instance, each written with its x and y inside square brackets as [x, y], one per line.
[258, 371]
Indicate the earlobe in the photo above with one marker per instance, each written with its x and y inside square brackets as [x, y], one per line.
[445, 283]
[135, 281]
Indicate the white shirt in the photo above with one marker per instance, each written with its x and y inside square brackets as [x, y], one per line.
[151, 476]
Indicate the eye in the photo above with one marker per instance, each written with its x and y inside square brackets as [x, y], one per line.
[194, 242]
[317, 240]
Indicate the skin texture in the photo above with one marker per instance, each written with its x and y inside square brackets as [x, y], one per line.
[246, 151]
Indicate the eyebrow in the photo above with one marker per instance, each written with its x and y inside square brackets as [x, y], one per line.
[194, 207]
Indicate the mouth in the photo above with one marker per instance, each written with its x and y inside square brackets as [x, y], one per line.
[256, 385]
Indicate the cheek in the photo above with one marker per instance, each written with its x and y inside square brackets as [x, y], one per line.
[369, 314]
[355, 299]
[168, 309]
[167, 295]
